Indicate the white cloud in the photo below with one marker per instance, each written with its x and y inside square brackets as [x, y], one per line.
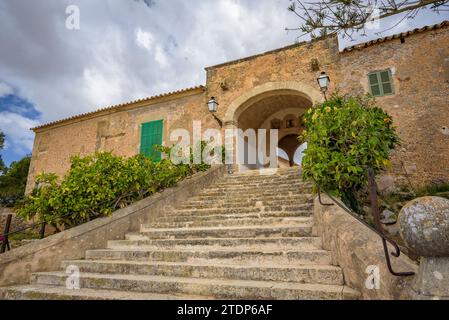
[161, 57]
[144, 39]
[127, 50]
[5, 89]
[393, 25]
[19, 137]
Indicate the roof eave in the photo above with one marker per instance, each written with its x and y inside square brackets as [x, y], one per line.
[111, 109]
[367, 44]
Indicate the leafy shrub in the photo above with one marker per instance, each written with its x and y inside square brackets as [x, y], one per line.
[99, 184]
[345, 136]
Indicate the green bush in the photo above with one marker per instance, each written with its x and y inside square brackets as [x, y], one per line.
[99, 184]
[345, 136]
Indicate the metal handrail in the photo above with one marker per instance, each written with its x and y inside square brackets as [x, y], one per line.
[376, 216]
[5, 241]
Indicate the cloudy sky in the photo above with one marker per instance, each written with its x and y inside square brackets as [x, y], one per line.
[124, 50]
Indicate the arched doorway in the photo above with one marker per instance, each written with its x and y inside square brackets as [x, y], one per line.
[269, 89]
[289, 144]
[281, 110]
[287, 161]
[299, 154]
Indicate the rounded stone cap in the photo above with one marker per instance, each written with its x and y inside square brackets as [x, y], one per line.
[424, 226]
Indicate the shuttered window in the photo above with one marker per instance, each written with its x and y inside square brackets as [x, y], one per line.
[381, 83]
[151, 136]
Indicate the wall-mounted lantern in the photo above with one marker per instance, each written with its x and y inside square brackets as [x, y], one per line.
[324, 82]
[212, 105]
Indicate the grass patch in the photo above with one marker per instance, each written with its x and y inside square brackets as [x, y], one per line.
[395, 201]
[28, 235]
[434, 190]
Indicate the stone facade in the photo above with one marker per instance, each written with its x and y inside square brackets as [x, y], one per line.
[420, 103]
[116, 130]
[252, 90]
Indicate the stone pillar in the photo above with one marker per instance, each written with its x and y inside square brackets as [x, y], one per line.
[230, 144]
[424, 226]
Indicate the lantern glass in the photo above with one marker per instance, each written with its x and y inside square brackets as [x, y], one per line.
[323, 81]
[212, 105]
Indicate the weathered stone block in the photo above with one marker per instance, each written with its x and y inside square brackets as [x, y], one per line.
[424, 226]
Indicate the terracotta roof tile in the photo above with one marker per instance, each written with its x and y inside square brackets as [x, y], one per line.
[396, 36]
[118, 106]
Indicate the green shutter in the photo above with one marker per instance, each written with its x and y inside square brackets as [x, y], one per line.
[374, 84]
[151, 136]
[381, 83]
[385, 77]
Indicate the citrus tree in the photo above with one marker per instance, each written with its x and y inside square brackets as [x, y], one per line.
[345, 136]
[97, 185]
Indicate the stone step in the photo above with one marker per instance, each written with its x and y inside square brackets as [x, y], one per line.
[298, 230]
[211, 211]
[269, 196]
[254, 192]
[242, 209]
[231, 222]
[232, 211]
[47, 292]
[272, 184]
[250, 201]
[302, 274]
[185, 217]
[259, 180]
[305, 243]
[229, 203]
[263, 185]
[260, 174]
[273, 181]
[223, 289]
[223, 255]
[284, 177]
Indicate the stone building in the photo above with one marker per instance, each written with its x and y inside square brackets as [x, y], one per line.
[409, 74]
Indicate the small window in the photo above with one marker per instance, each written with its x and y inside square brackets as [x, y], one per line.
[289, 121]
[381, 83]
[275, 124]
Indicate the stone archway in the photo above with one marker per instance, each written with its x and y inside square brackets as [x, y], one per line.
[268, 89]
[271, 106]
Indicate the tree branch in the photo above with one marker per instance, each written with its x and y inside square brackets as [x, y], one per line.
[347, 16]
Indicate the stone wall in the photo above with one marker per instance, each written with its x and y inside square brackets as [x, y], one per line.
[286, 68]
[17, 265]
[354, 248]
[419, 105]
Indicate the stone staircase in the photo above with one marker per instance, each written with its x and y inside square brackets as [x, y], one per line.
[248, 236]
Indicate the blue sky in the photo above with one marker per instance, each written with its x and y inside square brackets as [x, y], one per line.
[15, 114]
[127, 50]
